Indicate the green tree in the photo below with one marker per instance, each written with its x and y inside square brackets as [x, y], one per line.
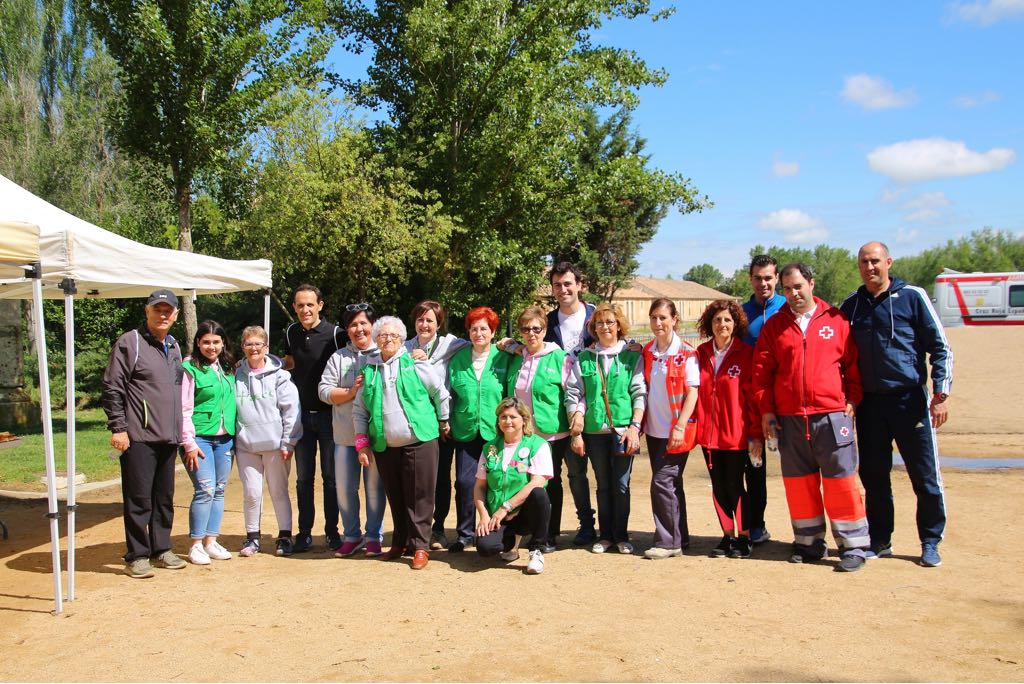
[705, 274]
[834, 268]
[196, 74]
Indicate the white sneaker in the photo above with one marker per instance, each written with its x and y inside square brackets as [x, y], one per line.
[216, 551]
[625, 547]
[600, 546]
[509, 556]
[536, 564]
[197, 556]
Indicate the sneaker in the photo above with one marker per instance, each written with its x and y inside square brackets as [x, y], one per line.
[138, 568]
[930, 557]
[347, 548]
[438, 540]
[625, 548]
[657, 553]
[585, 536]
[759, 535]
[334, 542]
[801, 555]
[198, 556]
[879, 551]
[372, 549]
[600, 546]
[740, 548]
[457, 546]
[509, 556]
[548, 546]
[303, 542]
[168, 559]
[723, 549]
[250, 548]
[216, 551]
[285, 546]
[851, 562]
[536, 564]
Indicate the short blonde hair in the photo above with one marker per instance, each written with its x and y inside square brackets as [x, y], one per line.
[255, 331]
[533, 313]
[520, 407]
[616, 311]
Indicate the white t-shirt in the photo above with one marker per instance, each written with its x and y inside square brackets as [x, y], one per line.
[540, 465]
[659, 410]
[804, 319]
[719, 355]
[571, 328]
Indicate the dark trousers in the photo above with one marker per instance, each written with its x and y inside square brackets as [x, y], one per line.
[531, 519]
[316, 431]
[668, 500]
[757, 494]
[467, 456]
[612, 472]
[443, 488]
[731, 501]
[579, 486]
[147, 488]
[905, 418]
[409, 474]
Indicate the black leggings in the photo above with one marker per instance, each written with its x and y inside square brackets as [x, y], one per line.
[531, 519]
[730, 498]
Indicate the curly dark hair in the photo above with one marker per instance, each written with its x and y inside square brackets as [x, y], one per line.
[735, 310]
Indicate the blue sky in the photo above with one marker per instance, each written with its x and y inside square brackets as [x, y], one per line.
[810, 122]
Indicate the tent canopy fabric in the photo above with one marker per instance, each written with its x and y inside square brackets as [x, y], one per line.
[107, 265]
[19, 246]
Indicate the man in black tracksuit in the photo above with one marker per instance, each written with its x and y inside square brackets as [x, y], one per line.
[142, 400]
[896, 331]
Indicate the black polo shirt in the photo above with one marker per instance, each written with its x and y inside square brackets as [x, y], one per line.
[310, 350]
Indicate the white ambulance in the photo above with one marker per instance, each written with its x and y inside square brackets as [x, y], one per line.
[979, 298]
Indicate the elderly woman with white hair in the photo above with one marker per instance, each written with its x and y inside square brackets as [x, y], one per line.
[398, 417]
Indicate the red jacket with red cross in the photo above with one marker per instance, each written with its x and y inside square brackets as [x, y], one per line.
[729, 417]
[802, 375]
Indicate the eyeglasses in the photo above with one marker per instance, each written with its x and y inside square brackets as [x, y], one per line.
[253, 345]
[605, 324]
[388, 336]
[535, 329]
[357, 307]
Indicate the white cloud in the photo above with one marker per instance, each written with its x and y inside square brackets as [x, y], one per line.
[795, 225]
[905, 235]
[986, 12]
[971, 101]
[892, 195]
[873, 92]
[927, 206]
[925, 159]
[781, 169]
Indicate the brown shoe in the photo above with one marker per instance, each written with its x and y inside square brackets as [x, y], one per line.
[393, 553]
[420, 558]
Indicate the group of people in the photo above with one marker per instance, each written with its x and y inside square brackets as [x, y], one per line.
[391, 413]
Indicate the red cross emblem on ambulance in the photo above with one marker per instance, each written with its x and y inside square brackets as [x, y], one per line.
[826, 332]
[844, 431]
[734, 371]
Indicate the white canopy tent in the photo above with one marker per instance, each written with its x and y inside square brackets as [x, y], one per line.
[19, 257]
[81, 260]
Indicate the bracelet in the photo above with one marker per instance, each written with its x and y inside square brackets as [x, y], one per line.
[362, 441]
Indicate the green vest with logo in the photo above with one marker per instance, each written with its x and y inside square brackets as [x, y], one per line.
[474, 401]
[214, 399]
[502, 485]
[620, 373]
[412, 395]
[547, 392]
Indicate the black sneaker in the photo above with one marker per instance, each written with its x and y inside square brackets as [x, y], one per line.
[723, 549]
[740, 548]
[285, 546]
[457, 546]
[585, 537]
[802, 555]
[334, 542]
[548, 546]
[851, 562]
[303, 542]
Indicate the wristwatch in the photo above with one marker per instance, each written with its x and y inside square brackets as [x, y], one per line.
[940, 397]
[635, 424]
[507, 506]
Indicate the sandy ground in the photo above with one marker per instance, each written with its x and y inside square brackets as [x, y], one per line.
[602, 618]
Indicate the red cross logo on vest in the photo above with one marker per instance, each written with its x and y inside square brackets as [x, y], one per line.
[734, 371]
[826, 332]
[844, 431]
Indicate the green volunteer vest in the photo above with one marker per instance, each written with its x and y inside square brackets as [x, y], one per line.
[214, 398]
[413, 397]
[619, 375]
[547, 392]
[474, 402]
[502, 485]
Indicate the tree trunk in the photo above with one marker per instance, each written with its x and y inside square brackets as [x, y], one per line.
[183, 201]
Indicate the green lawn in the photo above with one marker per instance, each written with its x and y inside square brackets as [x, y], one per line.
[23, 465]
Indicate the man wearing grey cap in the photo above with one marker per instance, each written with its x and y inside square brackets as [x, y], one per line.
[142, 400]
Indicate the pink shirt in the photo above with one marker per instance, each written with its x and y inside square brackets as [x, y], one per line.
[524, 382]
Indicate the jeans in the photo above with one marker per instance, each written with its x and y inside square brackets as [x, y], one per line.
[612, 473]
[209, 479]
[467, 456]
[347, 470]
[317, 430]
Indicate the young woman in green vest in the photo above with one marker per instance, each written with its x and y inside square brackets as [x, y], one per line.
[509, 495]
[605, 399]
[207, 434]
[476, 379]
[398, 417]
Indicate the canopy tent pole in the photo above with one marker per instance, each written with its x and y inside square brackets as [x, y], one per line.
[68, 286]
[44, 405]
[266, 311]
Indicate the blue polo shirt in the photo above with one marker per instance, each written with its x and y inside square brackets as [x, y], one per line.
[757, 314]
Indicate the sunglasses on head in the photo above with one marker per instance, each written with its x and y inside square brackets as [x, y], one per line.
[357, 307]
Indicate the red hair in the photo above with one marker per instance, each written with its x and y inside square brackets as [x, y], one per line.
[485, 313]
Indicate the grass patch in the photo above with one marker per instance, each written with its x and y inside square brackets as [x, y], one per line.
[23, 465]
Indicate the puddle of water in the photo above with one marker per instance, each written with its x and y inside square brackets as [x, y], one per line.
[973, 463]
